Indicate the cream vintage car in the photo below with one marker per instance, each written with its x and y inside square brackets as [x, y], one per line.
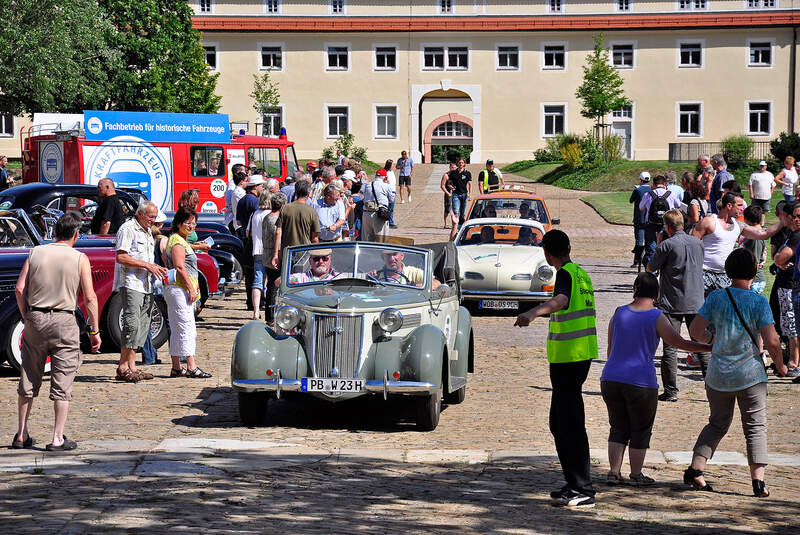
[502, 263]
[357, 318]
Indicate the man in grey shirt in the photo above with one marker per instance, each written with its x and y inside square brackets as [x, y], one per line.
[679, 259]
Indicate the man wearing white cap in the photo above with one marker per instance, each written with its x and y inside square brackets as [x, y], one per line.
[639, 219]
[762, 184]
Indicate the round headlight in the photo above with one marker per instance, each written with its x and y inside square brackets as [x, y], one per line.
[390, 320]
[545, 273]
[287, 317]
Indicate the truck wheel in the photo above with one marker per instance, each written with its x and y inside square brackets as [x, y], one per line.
[158, 321]
[428, 409]
[454, 398]
[13, 345]
[253, 408]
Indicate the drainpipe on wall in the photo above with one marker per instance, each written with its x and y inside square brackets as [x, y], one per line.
[792, 76]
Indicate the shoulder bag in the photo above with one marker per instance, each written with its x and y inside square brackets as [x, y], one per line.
[381, 211]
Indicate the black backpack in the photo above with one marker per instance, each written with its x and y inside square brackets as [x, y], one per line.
[658, 207]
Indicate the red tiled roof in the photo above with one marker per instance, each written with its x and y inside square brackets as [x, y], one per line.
[493, 23]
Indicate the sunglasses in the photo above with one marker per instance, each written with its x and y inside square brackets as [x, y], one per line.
[795, 216]
[320, 258]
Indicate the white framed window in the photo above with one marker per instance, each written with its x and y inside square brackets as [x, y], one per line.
[692, 5]
[272, 7]
[623, 114]
[623, 5]
[210, 54]
[508, 57]
[272, 122]
[760, 53]
[205, 7]
[7, 126]
[446, 7]
[337, 56]
[758, 117]
[554, 56]
[689, 119]
[271, 57]
[454, 57]
[554, 118]
[623, 55]
[385, 126]
[337, 120]
[555, 6]
[691, 54]
[337, 7]
[384, 57]
[457, 58]
[760, 4]
[452, 129]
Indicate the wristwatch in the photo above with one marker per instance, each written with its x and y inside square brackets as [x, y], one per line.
[94, 333]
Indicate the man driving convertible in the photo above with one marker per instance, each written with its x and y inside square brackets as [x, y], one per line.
[394, 270]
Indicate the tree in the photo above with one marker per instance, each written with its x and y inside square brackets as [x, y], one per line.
[601, 91]
[265, 94]
[55, 56]
[163, 62]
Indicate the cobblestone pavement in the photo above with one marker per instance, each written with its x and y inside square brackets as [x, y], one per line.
[170, 454]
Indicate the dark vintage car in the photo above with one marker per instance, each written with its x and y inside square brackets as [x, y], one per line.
[227, 250]
[19, 233]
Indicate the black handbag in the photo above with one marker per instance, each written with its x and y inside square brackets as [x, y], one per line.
[382, 212]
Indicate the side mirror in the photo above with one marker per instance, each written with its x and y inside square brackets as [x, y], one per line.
[556, 221]
[443, 291]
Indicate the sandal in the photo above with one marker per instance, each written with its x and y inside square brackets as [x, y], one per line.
[614, 478]
[641, 480]
[66, 445]
[143, 375]
[197, 373]
[690, 476]
[177, 373]
[127, 376]
[30, 441]
[760, 488]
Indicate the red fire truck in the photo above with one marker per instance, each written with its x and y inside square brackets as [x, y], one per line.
[56, 154]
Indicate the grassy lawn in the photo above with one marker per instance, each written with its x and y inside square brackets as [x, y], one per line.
[535, 172]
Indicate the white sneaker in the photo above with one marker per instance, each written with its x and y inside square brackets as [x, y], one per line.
[403, 201]
[409, 198]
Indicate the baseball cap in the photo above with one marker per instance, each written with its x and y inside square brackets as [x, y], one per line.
[644, 176]
[311, 163]
[762, 162]
[489, 162]
[349, 173]
[381, 172]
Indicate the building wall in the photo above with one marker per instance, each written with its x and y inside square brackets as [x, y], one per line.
[507, 106]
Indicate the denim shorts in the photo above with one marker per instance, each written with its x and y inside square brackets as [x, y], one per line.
[258, 272]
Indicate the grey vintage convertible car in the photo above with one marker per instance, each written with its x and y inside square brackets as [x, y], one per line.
[354, 319]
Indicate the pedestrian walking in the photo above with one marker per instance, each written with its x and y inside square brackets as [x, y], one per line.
[376, 194]
[391, 179]
[721, 176]
[405, 168]
[180, 293]
[761, 184]
[571, 346]
[268, 230]
[47, 296]
[655, 203]
[639, 217]
[244, 209]
[679, 262]
[446, 185]
[461, 179]
[254, 228]
[149, 351]
[628, 382]
[787, 178]
[132, 279]
[736, 372]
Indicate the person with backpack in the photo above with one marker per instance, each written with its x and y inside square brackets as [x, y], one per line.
[655, 203]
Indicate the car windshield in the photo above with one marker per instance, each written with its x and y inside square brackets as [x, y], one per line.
[510, 209]
[379, 263]
[13, 234]
[495, 233]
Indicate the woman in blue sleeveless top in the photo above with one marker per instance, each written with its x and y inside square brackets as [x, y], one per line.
[628, 383]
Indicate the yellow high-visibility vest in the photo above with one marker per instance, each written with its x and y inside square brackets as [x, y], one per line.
[572, 332]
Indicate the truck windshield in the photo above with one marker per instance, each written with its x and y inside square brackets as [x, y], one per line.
[267, 159]
[291, 160]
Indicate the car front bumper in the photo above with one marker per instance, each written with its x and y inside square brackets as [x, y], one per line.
[476, 295]
[373, 386]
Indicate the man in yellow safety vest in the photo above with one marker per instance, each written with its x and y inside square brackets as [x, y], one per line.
[571, 346]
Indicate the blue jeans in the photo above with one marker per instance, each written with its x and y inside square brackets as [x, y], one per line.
[460, 207]
[650, 237]
[391, 211]
[149, 353]
[788, 198]
[638, 233]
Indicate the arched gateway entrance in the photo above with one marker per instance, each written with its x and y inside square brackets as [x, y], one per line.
[434, 123]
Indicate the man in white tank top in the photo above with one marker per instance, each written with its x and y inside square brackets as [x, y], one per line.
[719, 233]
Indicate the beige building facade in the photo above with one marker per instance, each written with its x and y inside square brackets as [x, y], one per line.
[501, 76]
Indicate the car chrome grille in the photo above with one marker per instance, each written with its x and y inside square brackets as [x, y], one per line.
[337, 343]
